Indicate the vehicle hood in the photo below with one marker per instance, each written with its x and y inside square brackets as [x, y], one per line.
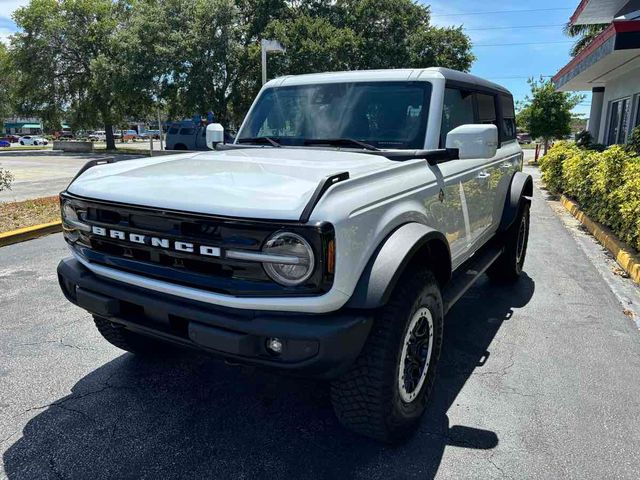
[265, 183]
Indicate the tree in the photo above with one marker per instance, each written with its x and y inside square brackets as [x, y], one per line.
[6, 83]
[585, 34]
[78, 56]
[214, 54]
[547, 112]
[82, 59]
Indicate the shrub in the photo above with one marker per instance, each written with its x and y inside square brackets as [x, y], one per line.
[605, 180]
[5, 179]
[584, 139]
[575, 176]
[633, 142]
[605, 184]
[629, 194]
[551, 165]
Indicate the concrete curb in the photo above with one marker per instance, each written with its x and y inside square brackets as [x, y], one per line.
[28, 233]
[624, 255]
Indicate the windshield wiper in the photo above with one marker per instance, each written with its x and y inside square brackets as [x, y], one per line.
[339, 142]
[268, 140]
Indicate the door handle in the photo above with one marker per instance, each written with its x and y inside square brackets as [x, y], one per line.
[484, 175]
[505, 165]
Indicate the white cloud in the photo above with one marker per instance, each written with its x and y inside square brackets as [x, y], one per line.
[4, 35]
[7, 7]
[7, 26]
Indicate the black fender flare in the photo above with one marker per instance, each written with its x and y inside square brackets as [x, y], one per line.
[520, 190]
[393, 257]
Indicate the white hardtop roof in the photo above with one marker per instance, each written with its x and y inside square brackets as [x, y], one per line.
[399, 74]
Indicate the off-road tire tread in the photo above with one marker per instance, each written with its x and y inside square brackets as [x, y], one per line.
[504, 270]
[129, 341]
[360, 397]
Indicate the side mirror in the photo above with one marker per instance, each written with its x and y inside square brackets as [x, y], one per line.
[215, 135]
[474, 140]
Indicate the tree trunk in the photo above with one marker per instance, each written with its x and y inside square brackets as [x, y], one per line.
[546, 145]
[111, 142]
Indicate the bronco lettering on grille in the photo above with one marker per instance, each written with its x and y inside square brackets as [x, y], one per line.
[165, 243]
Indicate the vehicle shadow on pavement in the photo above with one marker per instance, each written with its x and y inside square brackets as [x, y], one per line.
[194, 417]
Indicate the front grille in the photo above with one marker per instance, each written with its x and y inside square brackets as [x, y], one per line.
[213, 273]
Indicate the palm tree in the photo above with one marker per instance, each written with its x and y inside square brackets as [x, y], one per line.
[584, 33]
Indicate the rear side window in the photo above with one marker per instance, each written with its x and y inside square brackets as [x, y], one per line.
[173, 131]
[508, 118]
[486, 109]
[457, 110]
[187, 131]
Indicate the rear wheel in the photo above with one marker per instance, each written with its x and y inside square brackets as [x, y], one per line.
[124, 339]
[385, 393]
[508, 267]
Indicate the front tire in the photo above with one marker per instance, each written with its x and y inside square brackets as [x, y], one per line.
[508, 267]
[118, 336]
[385, 392]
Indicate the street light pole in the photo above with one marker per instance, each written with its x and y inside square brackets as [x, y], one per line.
[268, 46]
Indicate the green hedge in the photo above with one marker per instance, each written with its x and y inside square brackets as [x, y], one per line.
[605, 184]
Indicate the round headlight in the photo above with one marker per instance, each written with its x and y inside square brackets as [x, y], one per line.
[297, 258]
[68, 213]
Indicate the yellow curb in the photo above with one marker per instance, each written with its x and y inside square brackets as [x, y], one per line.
[629, 261]
[28, 233]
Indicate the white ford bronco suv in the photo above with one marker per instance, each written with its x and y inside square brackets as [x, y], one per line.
[329, 240]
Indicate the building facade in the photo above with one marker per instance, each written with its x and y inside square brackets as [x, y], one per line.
[609, 67]
[22, 126]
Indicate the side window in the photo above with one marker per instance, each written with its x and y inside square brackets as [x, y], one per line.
[187, 131]
[173, 131]
[486, 108]
[457, 110]
[508, 118]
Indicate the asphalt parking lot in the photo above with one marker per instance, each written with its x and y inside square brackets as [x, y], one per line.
[42, 173]
[537, 380]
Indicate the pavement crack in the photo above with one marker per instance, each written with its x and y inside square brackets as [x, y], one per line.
[6, 439]
[70, 398]
[498, 467]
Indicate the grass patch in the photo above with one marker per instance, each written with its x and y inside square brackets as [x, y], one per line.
[28, 213]
[24, 149]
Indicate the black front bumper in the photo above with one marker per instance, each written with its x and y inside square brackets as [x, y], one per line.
[321, 345]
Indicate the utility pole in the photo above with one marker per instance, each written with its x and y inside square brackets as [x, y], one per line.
[266, 47]
[160, 128]
[151, 145]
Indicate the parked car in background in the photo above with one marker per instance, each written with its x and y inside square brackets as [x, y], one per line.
[33, 140]
[187, 135]
[155, 134]
[11, 138]
[4, 144]
[63, 135]
[523, 138]
[98, 136]
[129, 135]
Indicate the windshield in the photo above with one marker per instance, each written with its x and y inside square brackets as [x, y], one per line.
[381, 114]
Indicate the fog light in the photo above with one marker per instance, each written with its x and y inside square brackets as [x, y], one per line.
[274, 345]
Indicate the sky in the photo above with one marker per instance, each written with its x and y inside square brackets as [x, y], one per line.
[492, 26]
[511, 65]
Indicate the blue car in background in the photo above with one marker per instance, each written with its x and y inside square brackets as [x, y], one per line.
[4, 144]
